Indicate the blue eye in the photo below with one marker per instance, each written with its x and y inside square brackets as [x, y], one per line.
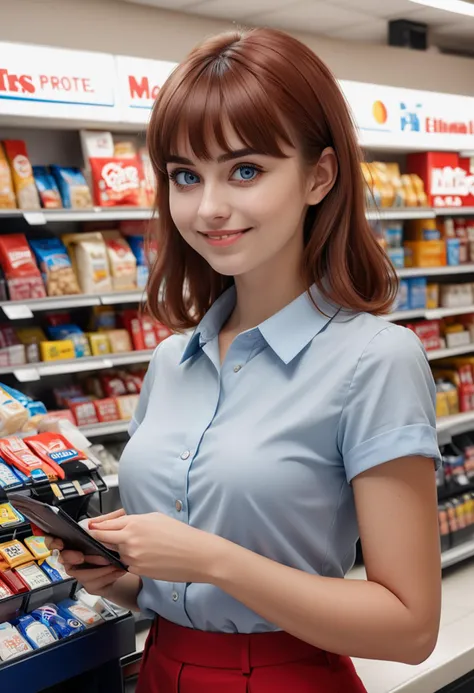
[185, 178]
[246, 172]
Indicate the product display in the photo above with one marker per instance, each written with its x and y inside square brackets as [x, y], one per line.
[22, 174]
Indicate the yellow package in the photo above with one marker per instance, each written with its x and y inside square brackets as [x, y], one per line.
[22, 174]
[442, 406]
[419, 187]
[9, 516]
[14, 553]
[425, 254]
[411, 199]
[7, 196]
[99, 343]
[37, 547]
[432, 296]
[57, 350]
[126, 405]
[119, 341]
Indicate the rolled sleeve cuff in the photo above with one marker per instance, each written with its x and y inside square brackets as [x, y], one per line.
[418, 439]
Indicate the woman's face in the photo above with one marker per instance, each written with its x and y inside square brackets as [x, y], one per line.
[242, 209]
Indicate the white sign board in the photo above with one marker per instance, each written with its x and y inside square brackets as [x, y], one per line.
[411, 119]
[43, 82]
[138, 84]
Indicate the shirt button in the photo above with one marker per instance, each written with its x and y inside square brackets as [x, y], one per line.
[178, 505]
[185, 455]
[175, 596]
[237, 368]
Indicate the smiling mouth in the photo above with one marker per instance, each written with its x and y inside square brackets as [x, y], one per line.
[223, 235]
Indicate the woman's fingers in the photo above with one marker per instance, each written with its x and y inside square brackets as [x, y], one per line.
[86, 575]
[109, 516]
[54, 543]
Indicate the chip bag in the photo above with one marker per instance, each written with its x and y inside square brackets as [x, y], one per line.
[116, 181]
[7, 195]
[55, 265]
[22, 174]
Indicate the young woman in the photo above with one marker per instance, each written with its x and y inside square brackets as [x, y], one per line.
[292, 419]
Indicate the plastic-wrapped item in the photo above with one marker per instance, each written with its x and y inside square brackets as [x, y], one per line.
[90, 262]
[73, 187]
[50, 615]
[8, 479]
[116, 181]
[13, 415]
[70, 608]
[33, 576]
[53, 568]
[9, 517]
[97, 604]
[7, 195]
[32, 406]
[12, 643]
[55, 265]
[122, 262]
[22, 174]
[37, 546]
[23, 277]
[75, 334]
[17, 453]
[37, 634]
[47, 188]
[14, 553]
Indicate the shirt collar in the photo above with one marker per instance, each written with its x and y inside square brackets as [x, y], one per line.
[287, 332]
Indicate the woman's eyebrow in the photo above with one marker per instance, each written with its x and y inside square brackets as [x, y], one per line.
[228, 156]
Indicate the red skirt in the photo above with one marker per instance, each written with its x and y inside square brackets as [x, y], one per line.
[182, 660]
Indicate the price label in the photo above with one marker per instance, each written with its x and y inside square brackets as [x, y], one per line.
[34, 218]
[26, 375]
[19, 312]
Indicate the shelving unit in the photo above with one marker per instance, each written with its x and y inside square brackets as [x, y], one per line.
[105, 429]
[31, 372]
[46, 216]
[435, 354]
[18, 310]
[429, 314]
[435, 271]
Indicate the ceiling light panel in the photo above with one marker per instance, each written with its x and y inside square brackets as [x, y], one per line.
[457, 6]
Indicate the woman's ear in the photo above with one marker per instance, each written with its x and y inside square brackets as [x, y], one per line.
[323, 176]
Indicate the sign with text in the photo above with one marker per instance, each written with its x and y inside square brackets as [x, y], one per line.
[138, 84]
[51, 82]
[448, 178]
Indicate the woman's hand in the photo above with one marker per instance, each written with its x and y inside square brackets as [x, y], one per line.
[159, 547]
[97, 580]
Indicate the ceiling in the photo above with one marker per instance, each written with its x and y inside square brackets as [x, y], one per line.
[358, 20]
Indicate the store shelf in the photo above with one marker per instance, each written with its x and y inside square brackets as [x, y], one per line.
[458, 211]
[449, 426]
[19, 310]
[30, 372]
[446, 353]
[429, 314]
[46, 216]
[105, 429]
[435, 271]
[457, 554]
[400, 213]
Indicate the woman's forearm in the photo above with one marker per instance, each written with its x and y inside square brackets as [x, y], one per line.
[349, 617]
[124, 592]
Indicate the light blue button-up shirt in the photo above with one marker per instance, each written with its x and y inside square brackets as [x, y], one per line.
[261, 449]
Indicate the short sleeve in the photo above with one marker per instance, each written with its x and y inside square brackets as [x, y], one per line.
[390, 408]
[142, 405]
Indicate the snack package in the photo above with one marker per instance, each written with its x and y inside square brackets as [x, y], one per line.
[12, 644]
[54, 449]
[97, 604]
[14, 553]
[15, 452]
[61, 349]
[47, 188]
[33, 407]
[55, 265]
[53, 568]
[62, 394]
[9, 516]
[8, 479]
[75, 335]
[31, 338]
[22, 174]
[116, 181]
[38, 547]
[137, 246]
[75, 193]
[119, 341]
[14, 582]
[5, 591]
[96, 144]
[70, 608]
[106, 409]
[13, 415]
[50, 615]
[122, 262]
[22, 275]
[99, 343]
[148, 181]
[113, 385]
[37, 634]
[90, 261]
[7, 196]
[130, 319]
[126, 406]
[33, 576]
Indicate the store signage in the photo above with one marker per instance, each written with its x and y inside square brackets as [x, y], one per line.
[52, 82]
[448, 178]
[411, 118]
[138, 84]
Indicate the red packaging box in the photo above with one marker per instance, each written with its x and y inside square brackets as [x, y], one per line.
[150, 337]
[116, 181]
[84, 412]
[21, 272]
[106, 409]
[448, 179]
[162, 332]
[428, 332]
[113, 385]
[130, 320]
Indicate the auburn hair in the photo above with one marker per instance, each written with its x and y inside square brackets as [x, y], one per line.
[272, 90]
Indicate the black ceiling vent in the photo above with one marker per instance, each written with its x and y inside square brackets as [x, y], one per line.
[406, 34]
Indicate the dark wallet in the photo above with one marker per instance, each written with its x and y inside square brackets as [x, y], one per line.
[55, 522]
